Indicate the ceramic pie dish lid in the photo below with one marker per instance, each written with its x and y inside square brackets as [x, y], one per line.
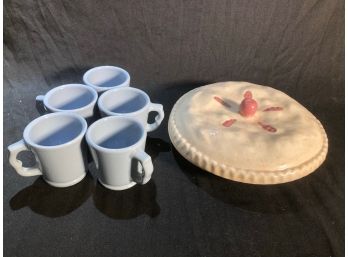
[247, 133]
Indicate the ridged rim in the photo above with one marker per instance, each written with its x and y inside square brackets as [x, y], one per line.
[185, 148]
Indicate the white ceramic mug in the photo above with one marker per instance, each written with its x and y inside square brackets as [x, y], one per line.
[130, 102]
[57, 142]
[117, 145]
[103, 78]
[76, 98]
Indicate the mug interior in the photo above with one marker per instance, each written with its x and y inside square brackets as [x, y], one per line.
[123, 101]
[106, 76]
[115, 133]
[70, 97]
[55, 130]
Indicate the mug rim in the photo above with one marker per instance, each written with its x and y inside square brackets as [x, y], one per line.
[100, 88]
[55, 89]
[28, 128]
[96, 146]
[115, 90]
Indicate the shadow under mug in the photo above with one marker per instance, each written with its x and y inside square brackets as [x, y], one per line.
[57, 142]
[75, 98]
[117, 145]
[130, 102]
[103, 78]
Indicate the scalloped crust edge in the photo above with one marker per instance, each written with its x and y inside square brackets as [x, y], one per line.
[185, 148]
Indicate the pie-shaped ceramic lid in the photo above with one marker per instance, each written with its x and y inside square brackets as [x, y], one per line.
[248, 133]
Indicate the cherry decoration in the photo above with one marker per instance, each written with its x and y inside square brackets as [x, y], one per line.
[248, 106]
[273, 109]
[229, 123]
[219, 100]
[267, 127]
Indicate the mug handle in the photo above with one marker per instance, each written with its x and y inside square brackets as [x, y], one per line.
[147, 166]
[40, 106]
[15, 149]
[159, 109]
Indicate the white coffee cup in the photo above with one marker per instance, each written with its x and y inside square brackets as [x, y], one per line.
[130, 102]
[117, 145]
[57, 142]
[103, 78]
[76, 98]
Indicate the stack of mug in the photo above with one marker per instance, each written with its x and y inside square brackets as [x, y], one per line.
[116, 140]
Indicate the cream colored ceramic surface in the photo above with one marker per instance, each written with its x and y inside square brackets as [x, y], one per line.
[245, 151]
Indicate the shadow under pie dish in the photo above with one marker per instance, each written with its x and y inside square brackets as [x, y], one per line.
[247, 133]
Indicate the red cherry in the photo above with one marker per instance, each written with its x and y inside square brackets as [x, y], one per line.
[248, 94]
[248, 106]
